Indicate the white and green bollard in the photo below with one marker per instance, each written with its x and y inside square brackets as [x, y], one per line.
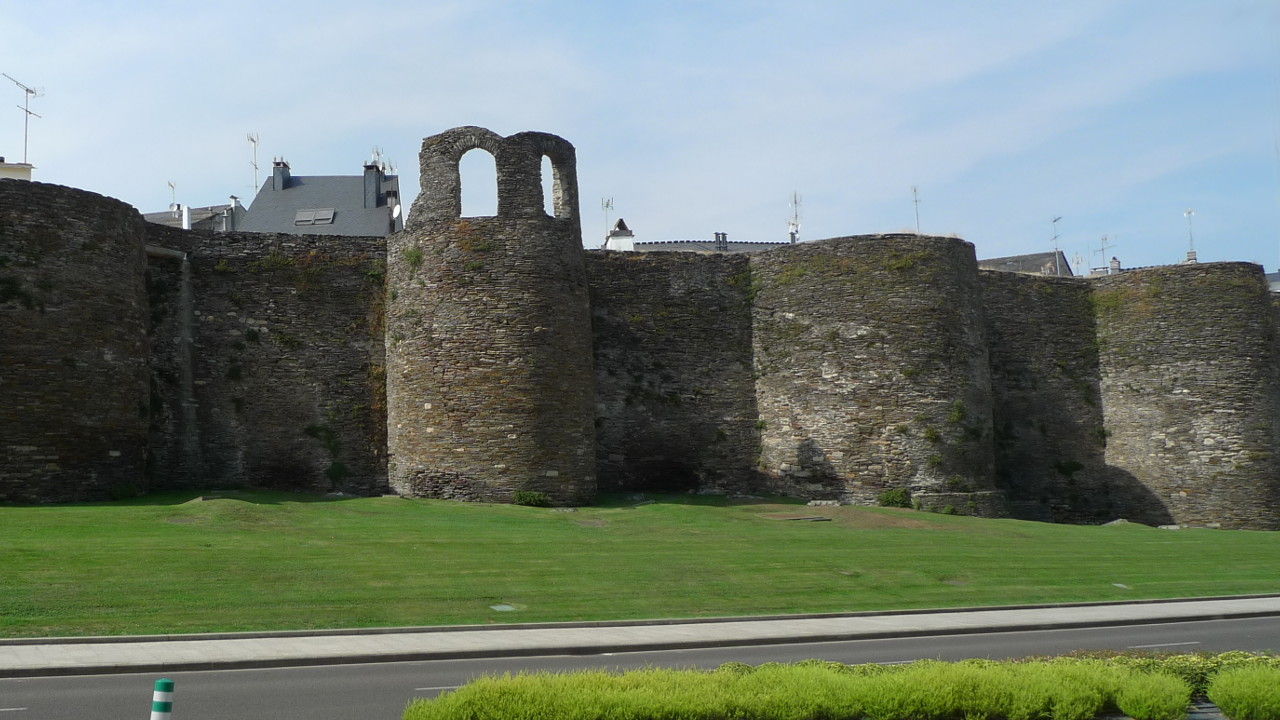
[162, 700]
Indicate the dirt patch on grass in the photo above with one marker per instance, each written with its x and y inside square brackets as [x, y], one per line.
[857, 517]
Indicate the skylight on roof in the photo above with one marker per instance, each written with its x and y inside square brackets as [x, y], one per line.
[314, 216]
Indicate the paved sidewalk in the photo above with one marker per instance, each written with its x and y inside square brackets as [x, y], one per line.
[77, 656]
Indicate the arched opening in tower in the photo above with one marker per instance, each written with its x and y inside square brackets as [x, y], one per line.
[479, 179]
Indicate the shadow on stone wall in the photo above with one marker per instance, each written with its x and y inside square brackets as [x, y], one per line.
[675, 395]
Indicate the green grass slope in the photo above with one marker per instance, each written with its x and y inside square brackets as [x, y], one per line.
[259, 561]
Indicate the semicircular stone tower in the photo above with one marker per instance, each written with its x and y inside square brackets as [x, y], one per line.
[490, 384]
[1189, 394]
[74, 395]
[873, 373]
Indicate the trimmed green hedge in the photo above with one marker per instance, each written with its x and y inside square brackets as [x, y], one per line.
[1195, 668]
[1143, 686]
[1247, 693]
[1068, 689]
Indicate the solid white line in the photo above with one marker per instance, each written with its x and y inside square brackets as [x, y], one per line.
[441, 687]
[1135, 647]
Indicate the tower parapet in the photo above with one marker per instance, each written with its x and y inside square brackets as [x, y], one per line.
[490, 386]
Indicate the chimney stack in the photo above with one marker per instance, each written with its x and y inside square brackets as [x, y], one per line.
[279, 174]
[372, 184]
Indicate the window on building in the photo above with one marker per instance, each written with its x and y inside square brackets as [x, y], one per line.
[314, 216]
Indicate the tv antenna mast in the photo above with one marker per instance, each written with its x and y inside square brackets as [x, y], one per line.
[1104, 245]
[915, 200]
[793, 225]
[173, 194]
[253, 140]
[606, 204]
[25, 107]
[1057, 268]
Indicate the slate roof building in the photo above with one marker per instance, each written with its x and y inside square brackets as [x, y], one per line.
[623, 239]
[223, 218]
[366, 205]
[1052, 263]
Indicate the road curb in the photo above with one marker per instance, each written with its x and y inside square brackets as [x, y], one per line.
[332, 632]
[360, 658]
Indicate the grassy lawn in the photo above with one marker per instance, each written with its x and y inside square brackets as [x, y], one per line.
[258, 561]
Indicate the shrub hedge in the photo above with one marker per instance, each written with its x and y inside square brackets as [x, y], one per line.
[1247, 692]
[1141, 685]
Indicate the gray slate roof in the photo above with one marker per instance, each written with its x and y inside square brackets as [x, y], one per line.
[1041, 263]
[705, 246]
[202, 218]
[274, 210]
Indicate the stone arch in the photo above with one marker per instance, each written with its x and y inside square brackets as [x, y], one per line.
[441, 197]
[547, 176]
[481, 168]
[519, 164]
[564, 165]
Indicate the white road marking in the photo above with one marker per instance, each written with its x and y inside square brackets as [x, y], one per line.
[1136, 647]
[440, 687]
[12, 709]
[895, 662]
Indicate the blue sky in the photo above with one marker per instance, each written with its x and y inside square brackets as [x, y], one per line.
[698, 117]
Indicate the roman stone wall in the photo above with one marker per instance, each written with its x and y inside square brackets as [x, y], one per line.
[1189, 392]
[871, 358]
[173, 437]
[1047, 412]
[73, 345]
[490, 385]
[288, 361]
[675, 394]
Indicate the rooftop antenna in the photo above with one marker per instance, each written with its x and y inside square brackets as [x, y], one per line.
[915, 199]
[1057, 269]
[173, 194]
[253, 140]
[25, 107]
[1104, 245]
[1191, 238]
[793, 225]
[606, 204]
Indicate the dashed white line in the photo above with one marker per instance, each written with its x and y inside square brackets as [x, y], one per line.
[440, 687]
[12, 709]
[1137, 647]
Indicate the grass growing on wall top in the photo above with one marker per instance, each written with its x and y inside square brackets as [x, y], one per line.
[258, 561]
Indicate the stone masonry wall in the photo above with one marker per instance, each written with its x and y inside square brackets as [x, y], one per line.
[490, 385]
[73, 345]
[1189, 390]
[489, 362]
[1047, 413]
[871, 358]
[675, 394]
[289, 362]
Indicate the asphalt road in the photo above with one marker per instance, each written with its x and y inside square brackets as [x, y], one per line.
[380, 691]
